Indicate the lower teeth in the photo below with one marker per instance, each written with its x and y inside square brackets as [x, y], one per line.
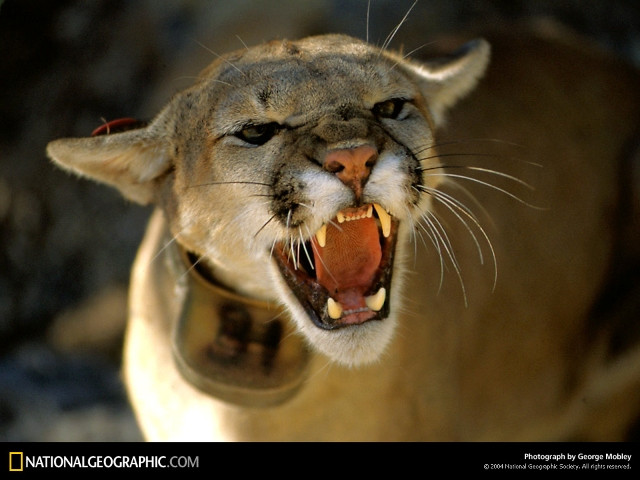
[374, 303]
[334, 309]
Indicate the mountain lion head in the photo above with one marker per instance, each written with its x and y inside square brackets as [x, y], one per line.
[297, 172]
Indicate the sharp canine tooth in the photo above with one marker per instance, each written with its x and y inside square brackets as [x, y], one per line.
[321, 235]
[340, 217]
[385, 220]
[375, 302]
[334, 309]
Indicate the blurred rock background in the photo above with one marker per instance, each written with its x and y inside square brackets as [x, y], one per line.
[66, 245]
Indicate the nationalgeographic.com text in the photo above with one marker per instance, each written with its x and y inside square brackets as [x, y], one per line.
[108, 461]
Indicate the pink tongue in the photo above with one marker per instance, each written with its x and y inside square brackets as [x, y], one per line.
[349, 259]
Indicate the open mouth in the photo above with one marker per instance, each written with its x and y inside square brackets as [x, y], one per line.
[344, 275]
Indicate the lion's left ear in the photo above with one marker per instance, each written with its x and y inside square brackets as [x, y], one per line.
[128, 161]
[445, 81]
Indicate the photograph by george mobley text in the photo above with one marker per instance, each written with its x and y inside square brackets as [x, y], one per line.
[563, 460]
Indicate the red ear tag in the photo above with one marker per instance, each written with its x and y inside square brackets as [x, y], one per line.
[115, 126]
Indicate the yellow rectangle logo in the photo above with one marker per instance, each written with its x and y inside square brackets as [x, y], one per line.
[16, 461]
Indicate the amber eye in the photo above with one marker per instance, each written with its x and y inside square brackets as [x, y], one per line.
[389, 108]
[258, 134]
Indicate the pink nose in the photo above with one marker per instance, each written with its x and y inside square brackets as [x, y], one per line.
[352, 166]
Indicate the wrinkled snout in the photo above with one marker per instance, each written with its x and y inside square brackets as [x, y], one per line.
[352, 166]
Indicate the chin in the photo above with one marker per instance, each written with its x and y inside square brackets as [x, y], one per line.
[355, 345]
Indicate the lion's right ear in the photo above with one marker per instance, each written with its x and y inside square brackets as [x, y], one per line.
[445, 81]
[129, 161]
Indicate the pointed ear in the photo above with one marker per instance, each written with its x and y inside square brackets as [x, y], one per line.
[445, 81]
[129, 161]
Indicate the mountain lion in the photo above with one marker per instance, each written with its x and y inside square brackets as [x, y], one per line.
[338, 253]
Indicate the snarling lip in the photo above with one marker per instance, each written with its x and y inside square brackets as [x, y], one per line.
[342, 276]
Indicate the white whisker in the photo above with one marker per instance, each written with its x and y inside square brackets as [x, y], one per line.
[304, 246]
[458, 208]
[220, 57]
[455, 206]
[166, 245]
[292, 252]
[273, 246]
[476, 202]
[440, 234]
[486, 184]
[319, 257]
[367, 25]
[173, 240]
[393, 33]
[429, 229]
[192, 266]
[405, 56]
[242, 42]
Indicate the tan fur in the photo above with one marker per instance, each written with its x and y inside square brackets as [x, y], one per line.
[456, 359]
